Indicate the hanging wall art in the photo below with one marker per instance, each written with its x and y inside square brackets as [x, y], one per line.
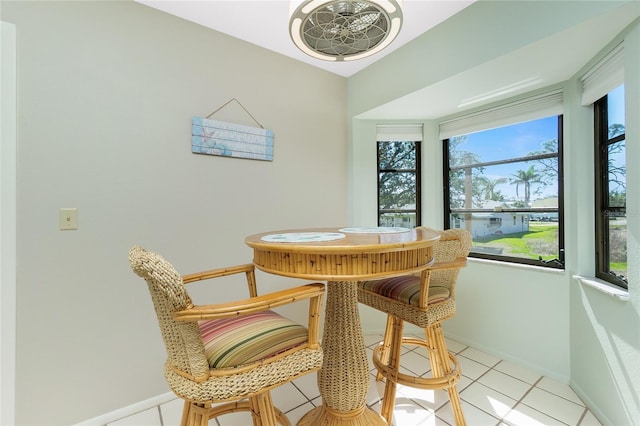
[213, 137]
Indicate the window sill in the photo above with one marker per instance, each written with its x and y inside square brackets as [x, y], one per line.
[603, 286]
[516, 265]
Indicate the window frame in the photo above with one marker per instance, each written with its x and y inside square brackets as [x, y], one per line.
[557, 263]
[418, 179]
[602, 209]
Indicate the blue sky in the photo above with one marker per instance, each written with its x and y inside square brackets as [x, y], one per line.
[616, 106]
[512, 141]
[616, 116]
[509, 142]
[521, 139]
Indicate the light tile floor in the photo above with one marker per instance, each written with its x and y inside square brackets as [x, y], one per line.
[493, 392]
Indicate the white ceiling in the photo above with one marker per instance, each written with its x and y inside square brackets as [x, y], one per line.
[540, 64]
[266, 22]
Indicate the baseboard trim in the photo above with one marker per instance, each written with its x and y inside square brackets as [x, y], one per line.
[129, 410]
[593, 407]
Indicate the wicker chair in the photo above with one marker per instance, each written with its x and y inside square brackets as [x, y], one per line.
[425, 300]
[229, 353]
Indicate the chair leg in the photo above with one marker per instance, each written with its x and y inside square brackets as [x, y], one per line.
[185, 413]
[195, 414]
[389, 399]
[386, 345]
[263, 411]
[434, 354]
[261, 408]
[441, 367]
[255, 411]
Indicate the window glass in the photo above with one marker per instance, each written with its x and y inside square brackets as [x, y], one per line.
[504, 187]
[611, 188]
[397, 190]
[617, 173]
[615, 112]
[399, 183]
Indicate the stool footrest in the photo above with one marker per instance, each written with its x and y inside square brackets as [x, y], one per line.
[208, 413]
[447, 381]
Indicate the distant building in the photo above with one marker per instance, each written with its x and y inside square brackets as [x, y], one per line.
[551, 202]
[495, 223]
[492, 223]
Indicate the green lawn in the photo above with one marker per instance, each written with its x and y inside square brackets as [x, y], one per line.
[540, 240]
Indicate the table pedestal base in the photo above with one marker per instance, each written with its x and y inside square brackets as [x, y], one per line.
[327, 417]
[343, 380]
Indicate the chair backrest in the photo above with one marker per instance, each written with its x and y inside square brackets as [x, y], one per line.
[454, 245]
[181, 339]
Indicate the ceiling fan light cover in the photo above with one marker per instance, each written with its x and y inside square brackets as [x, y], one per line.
[343, 30]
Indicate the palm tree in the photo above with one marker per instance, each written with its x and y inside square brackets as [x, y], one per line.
[526, 178]
[489, 188]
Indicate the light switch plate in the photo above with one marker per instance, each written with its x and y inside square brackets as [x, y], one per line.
[68, 219]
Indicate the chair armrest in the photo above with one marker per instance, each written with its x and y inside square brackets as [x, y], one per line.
[253, 304]
[423, 300]
[313, 292]
[457, 263]
[215, 273]
[248, 269]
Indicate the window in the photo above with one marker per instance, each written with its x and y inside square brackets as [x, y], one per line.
[611, 188]
[504, 185]
[399, 183]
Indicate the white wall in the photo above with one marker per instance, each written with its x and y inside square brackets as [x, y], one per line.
[543, 319]
[106, 92]
[605, 331]
[7, 222]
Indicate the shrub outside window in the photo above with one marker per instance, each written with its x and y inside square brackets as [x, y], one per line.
[504, 185]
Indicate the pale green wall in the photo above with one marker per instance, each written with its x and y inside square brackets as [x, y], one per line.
[106, 92]
[543, 319]
[605, 332]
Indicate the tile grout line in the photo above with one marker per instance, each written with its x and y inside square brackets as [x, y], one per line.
[518, 402]
[300, 390]
[473, 381]
[160, 415]
[584, 414]
[501, 420]
[492, 368]
[534, 386]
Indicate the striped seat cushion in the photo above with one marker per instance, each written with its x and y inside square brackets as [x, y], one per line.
[406, 289]
[232, 342]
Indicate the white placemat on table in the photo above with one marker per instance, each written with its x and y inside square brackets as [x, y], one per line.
[302, 237]
[375, 230]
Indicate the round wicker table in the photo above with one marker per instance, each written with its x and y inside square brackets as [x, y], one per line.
[343, 257]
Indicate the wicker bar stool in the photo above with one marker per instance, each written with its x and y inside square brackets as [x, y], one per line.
[230, 353]
[424, 299]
